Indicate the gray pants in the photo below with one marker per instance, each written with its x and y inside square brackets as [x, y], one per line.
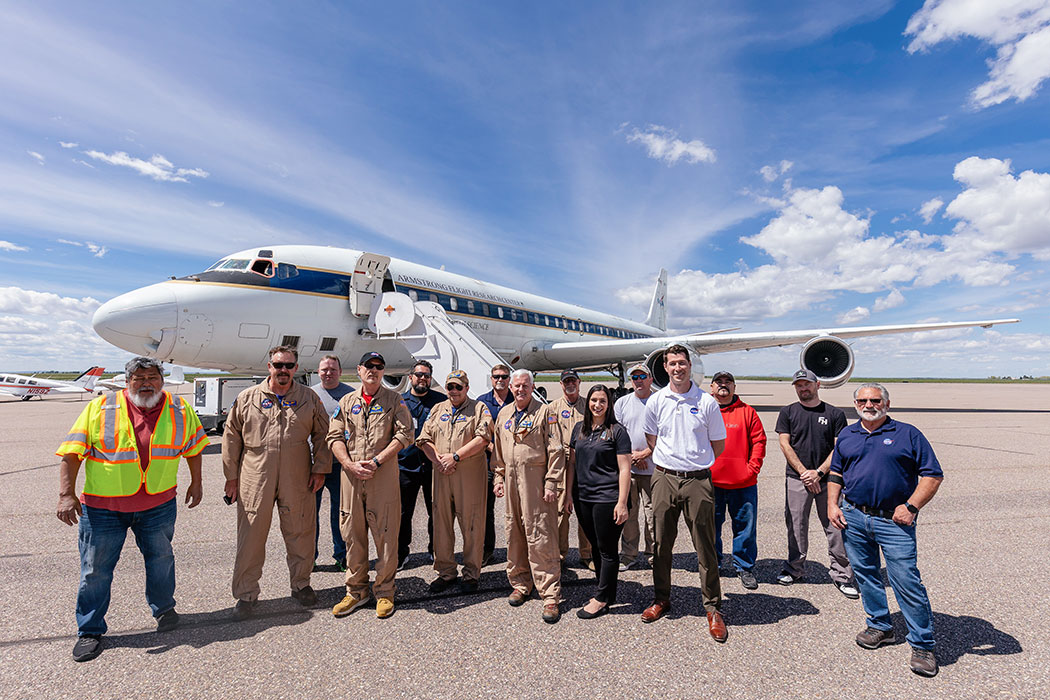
[674, 496]
[798, 503]
[641, 500]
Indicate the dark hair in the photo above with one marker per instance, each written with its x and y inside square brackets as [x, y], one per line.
[283, 348]
[430, 367]
[332, 357]
[677, 349]
[588, 417]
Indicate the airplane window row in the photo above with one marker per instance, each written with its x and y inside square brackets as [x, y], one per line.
[260, 266]
[470, 307]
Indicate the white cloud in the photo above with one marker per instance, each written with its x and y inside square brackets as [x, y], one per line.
[1019, 30]
[858, 313]
[890, 301]
[15, 300]
[217, 205]
[11, 247]
[44, 329]
[999, 212]
[663, 144]
[37, 157]
[930, 208]
[771, 172]
[157, 167]
[68, 144]
[99, 251]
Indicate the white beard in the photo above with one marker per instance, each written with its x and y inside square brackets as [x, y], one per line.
[871, 417]
[145, 402]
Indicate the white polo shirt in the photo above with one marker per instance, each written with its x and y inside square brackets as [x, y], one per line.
[630, 413]
[684, 426]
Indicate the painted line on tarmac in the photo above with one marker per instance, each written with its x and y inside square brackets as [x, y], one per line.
[30, 469]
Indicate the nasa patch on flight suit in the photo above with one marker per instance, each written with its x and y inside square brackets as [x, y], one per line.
[356, 409]
[444, 417]
[506, 426]
[266, 403]
[566, 413]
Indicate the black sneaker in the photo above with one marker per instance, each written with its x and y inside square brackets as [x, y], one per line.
[306, 597]
[440, 585]
[168, 621]
[88, 647]
[923, 662]
[243, 609]
[747, 579]
[487, 559]
[469, 586]
[786, 579]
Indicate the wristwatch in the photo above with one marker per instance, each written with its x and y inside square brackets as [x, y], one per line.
[913, 509]
[455, 457]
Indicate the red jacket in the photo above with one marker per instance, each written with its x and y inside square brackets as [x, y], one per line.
[740, 462]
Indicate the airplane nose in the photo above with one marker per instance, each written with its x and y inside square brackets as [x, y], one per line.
[142, 321]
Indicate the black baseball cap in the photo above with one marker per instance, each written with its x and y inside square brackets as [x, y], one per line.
[569, 374]
[372, 356]
[720, 375]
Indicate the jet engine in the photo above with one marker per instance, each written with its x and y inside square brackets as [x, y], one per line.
[828, 357]
[655, 363]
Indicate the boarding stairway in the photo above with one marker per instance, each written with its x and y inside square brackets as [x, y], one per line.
[428, 333]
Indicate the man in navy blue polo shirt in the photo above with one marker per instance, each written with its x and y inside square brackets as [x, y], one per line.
[886, 472]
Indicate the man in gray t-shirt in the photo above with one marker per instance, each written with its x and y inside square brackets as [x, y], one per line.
[330, 389]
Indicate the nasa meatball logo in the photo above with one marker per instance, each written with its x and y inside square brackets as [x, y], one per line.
[506, 426]
[694, 410]
[444, 417]
[887, 441]
[566, 413]
[266, 403]
[356, 409]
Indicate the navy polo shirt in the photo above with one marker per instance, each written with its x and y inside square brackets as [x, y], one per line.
[411, 458]
[490, 400]
[881, 469]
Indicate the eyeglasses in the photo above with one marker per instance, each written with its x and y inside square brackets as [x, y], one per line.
[454, 387]
[500, 377]
[873, 402]
[639, 377]
[420, 375]
[374, 365]
[283, 365]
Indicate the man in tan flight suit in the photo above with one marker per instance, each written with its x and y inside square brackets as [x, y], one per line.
[266, 457]
[371, 426]
[454, 438]
[568, 411]
[530, 468]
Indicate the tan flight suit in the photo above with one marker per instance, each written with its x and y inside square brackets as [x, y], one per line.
[371, 505]
[461, 494]
[266, 447]
[528, 458]
[568, 415]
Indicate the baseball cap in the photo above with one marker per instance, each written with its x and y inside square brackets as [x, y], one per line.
[371, 356]
[723, 375]
[459, 376]
[804, 374]
[569, 374]
[640, 367]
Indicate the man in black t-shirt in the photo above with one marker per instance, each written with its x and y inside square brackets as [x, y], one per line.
[807, 431]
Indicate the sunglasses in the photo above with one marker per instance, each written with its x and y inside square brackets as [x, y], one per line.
[374, 365]
[454, 387]
[500, 377]
[421, 375]
[283, 365]
[873, 402]
[639, 377]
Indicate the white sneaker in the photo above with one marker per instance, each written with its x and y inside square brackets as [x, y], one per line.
[848, 590]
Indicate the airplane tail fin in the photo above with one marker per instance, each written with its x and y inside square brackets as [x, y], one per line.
[86, 381]
[176, 377]
[657, 317]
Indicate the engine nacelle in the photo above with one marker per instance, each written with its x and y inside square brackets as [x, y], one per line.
[828, 357]
[655, 363]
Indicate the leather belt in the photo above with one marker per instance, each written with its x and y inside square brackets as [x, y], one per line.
[698, 474]
[867, 510]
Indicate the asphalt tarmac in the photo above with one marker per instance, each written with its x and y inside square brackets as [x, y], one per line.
[983, 556]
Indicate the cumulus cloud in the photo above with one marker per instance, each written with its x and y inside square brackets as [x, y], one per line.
[15, 300]
[858, 313]
[37, 157]
[44, 329]
[157, 167]
[663, 144]
[99, 251]
[930, 208]
[11, 247]
[1019, 30]
[68, 144]
[772, 172]
[819, 249]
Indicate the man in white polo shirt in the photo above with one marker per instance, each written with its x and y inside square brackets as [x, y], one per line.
[684, 429]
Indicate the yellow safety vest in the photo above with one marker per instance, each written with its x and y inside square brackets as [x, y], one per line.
[104, 438]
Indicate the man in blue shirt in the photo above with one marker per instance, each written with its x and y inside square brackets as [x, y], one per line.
[496, 399]
[415, 470]
[886, 472]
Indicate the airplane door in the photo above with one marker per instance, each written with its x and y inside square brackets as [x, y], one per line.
[367, 282]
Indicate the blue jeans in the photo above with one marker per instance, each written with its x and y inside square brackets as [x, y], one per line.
[331, 484]
[102, 535]
[742, 505]
[865, 535]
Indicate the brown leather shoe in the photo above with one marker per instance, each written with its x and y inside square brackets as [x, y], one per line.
[516, 598]
[551, 613]
[655, 611]
[717, 625]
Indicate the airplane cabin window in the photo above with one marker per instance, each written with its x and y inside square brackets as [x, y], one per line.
[286, 271]
[484, 309]
[452, 303]
[499, 311]
[32, 383]
[546, 321]
[21, 381]
[433, 297]
[413, 295]
[470, 306]
[291, 341]
[263, 267]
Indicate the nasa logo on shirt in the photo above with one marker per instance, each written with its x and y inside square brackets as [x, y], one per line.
[887, 441]
[506, 426]
[356, 409]
[266, 403]
[444, 418]
[694, 410]
[566, 413]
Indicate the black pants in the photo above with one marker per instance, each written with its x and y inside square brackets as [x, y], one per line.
[490, 520]
[411, 483]
[601, 529]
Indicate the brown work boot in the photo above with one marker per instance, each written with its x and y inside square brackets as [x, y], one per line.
[923, 662]
[872, 638]
[717, 626]
[516, 598]
[551, 613]
[655, 611]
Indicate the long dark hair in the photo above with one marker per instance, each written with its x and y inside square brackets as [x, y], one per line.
[588, 417]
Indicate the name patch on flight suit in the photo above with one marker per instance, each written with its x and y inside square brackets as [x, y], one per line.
[459, 419]
[356, 409]
[266, 403]
[289, 404]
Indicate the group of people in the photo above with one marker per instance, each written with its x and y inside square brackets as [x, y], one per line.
[678, 451]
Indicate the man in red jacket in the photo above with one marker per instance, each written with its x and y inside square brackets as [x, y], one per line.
[735, 476]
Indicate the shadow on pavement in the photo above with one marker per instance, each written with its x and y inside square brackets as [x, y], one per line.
[958, 635]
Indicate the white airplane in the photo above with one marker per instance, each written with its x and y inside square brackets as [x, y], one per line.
[27, 387]
[325, 300]
[175, 377]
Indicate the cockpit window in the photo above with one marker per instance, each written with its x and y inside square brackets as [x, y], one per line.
[234, 264]
[215, 265]
[286, 271]
[263, 267]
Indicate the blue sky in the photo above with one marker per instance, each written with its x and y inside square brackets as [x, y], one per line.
[792, 165]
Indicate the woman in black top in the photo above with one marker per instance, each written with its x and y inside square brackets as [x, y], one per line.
[600, 452]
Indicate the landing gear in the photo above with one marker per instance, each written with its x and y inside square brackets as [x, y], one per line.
[619, 370]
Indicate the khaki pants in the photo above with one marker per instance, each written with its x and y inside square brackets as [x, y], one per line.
[257, 493]
[798, 502]
[695, 499]
[460, 496]
[372, 505]
[563, 529]
[641, 500]
[532, 531]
